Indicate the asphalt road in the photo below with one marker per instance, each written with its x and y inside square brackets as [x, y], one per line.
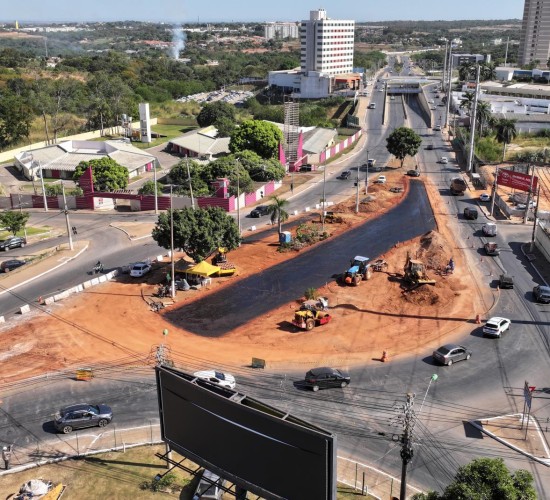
[364, 414]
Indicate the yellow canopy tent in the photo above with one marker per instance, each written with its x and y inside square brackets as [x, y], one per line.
[203, 269]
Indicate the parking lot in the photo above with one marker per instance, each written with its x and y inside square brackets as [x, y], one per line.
[229, 96]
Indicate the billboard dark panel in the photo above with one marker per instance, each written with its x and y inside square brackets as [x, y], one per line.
[256, 446]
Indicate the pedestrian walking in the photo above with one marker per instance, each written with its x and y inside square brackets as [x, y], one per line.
[6, 456]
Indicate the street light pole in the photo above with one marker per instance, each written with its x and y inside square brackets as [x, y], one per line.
[69, 233]
[43, 188]
[173, 281]
[156, 194]
[190, 184]
[450, 83]
[238, 198]
[21, 211]
[323, 200]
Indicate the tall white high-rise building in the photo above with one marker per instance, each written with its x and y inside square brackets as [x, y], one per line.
[281, 30]
[534, 43]
[326, 44]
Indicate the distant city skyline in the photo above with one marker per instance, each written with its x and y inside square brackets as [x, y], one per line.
[188, 11]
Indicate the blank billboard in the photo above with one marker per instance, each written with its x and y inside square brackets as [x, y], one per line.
[258, 447]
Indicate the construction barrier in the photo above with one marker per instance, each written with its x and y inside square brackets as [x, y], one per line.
[258, 363]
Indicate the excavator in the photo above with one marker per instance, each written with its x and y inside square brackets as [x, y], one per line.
[415, 273]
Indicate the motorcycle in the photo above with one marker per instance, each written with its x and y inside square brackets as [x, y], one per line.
[98, 268]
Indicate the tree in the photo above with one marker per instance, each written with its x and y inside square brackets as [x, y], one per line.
[107, 174]
[148, 187]
[403, 142]
[467, 102]
[466, 71]
[15, 119]
[211, 113]
[261, 137]
[224, 126]
[198, 232]
[14, 221]
[506, 132]
[200, 181]
[488, 71]
[483, 115]
[277, 211]
[486, 479]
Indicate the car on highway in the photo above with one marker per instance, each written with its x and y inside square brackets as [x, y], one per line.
[413, 173]
[10, 265]
[496, 326]
[451, 353]
[505, 281]
[430, 146]
[372, 105]
[139, 269]
[484, 197]
[437, 127]
[344, 175]
[489, 229]
[491, 248]
[325, 378]
[12, 242]
[444, 159]
[82, 415]
[259, 211]
[381, 179]
[219, 378]
[541, 294]
[470, 213]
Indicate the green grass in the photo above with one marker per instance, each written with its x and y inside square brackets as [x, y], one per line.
[530, 141]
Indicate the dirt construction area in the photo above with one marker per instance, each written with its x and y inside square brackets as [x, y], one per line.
[113, 322]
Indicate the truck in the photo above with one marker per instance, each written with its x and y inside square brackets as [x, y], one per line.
[458, 186]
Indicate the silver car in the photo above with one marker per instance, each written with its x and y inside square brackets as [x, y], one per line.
[451, 353]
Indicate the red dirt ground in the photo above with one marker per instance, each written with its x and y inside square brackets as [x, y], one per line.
[112, 321]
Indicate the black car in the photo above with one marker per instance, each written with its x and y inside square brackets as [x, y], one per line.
[470, 213]
[12, 242]
[10, 265]
[259, 211]
[542, 294]
[346, 174]
[306, 168]
[323, 378]
[413, 173]
[81, 416]
[505, 281]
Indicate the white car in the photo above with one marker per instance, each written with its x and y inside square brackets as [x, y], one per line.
[496, 326]
[139, 269]
[381, 179]
[484, 197]
[437, 127]
[218, 378]
[444, 159]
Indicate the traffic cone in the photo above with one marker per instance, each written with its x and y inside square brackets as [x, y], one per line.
[478, 319]
[384, 357]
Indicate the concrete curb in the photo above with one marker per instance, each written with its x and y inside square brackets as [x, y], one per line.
[45, 272]
[532, 265]
[543, 461]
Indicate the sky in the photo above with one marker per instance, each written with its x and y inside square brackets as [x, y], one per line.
[182, 11]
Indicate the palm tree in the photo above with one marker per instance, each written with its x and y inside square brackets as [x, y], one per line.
[506, 132]
[483, 114]
[277, 211]
[488, 71]
[467, 102]
[465, 71]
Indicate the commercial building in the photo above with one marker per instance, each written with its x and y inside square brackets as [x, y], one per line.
[326, 59]
[280, 30]
[326, 45]
[534, 43]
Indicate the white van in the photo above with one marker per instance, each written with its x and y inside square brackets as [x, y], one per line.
[489, 229]
[372, 105]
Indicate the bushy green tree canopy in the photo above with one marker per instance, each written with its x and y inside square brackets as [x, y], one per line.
[486, 479]
[198, 232]
[403, 142]
[108, 175]
[14, 221]
[212, 112]
[261, 137]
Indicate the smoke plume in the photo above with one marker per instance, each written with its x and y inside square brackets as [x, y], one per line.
[178, 40]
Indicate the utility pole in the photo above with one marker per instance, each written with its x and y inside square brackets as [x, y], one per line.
[69, 232]
[408, 421]
[450, 83]
[529, 193]
[190, 184]
[473, 119]
[532, 244]
[156, 194]
[367, 175]
[238, 197]
[357, 192]
[43, 188]
[506, 53]
[323, 200]
[173, 281]
[445, 67]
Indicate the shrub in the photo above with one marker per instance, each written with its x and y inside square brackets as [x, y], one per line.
[311, 293]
